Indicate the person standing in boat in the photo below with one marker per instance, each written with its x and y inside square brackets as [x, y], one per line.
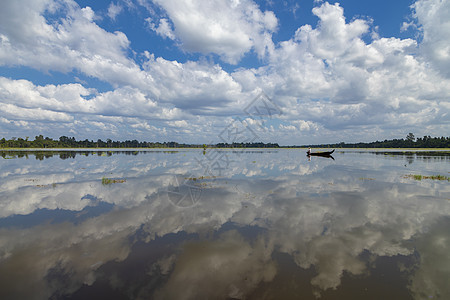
[309, 151]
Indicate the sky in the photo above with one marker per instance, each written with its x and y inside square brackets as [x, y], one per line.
[291, 72]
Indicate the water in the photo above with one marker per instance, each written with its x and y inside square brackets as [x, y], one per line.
[248, 224]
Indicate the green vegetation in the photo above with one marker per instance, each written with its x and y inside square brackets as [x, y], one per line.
[108, 181]
[409, 142]
[70, 142]
[432, 177]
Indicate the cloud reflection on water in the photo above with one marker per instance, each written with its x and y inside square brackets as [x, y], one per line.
[322, 213]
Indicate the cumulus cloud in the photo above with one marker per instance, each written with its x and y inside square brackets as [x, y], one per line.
[226, 28]
[73, 106]
[71, 98]
[14, 112]
[329, 75]
[200, 88]
[433, 19]
[305, 125]
[73, 42]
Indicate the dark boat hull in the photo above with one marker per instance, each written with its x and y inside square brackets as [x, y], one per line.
[322, 153]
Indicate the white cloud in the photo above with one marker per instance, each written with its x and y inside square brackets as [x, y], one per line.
[114, 10]
[164, 28]
[193, 86]
[180, 123]
[66, 108]
[334, 36]
[14, 112]
[74, 42]
[433, 18]
[406, 25]
[287, 127]
[227, 28]
[69, 98]
[328, 76]
[305, 125]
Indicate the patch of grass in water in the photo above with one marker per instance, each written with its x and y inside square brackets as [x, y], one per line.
[439, 177]
[53, 185]
[108, 181]
[432, 177]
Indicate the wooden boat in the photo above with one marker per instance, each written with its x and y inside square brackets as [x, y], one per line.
[321, 153]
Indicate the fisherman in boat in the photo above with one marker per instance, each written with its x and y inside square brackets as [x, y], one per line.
[309, 151]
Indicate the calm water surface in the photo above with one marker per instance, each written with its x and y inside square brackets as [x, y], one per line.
[250, 224]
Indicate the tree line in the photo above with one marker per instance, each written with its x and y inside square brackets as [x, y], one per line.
[409, 142]
[70, 142]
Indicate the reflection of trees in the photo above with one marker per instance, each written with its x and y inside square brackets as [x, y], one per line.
[41, 155]
[66, 155]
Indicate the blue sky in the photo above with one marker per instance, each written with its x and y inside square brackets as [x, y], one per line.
[185, 71]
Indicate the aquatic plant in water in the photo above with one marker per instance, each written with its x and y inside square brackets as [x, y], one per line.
[107, 181]
[432, 177]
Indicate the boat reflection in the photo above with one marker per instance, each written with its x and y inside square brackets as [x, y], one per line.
[326, 154]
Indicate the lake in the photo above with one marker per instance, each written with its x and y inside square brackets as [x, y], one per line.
[224, 224]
